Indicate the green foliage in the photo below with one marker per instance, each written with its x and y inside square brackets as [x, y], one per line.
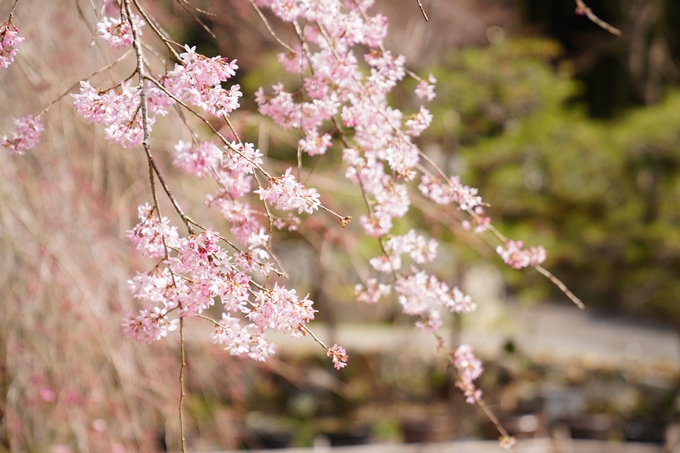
[601, 196]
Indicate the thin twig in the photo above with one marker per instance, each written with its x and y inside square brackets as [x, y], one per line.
[222, 138]
[561, 286]
[269, 28]
[489, 413]
[582, 8]
[196, 18]
[11, 13]
[207, 13]
[75, 85]
[158, 31]
[306, 330]
[183, 365]
[146, 143]
[420, 5]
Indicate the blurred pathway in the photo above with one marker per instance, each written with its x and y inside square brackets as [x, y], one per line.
[542, 331]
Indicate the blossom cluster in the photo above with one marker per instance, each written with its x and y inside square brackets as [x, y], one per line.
[338, 355]
[515, 255]
[468, 368]
[26, 136]
[194, 273]
[117, 31]
[9, 41]
[119, 110]
[287, 194]
[196, 80]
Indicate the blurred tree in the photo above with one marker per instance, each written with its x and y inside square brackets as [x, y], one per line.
[602, 196]
[618, 72]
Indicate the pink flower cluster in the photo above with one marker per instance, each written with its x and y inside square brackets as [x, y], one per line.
[420, 292]
[288, 194]
[117, 32]
[119, 109]
[373, 291]
[194, 273]
[198, 80]
[198, 159]
[335, 85]
[338, 355]
[26, 136]
[516, 256]
[453, 192]
[9, 41]
[468, 368]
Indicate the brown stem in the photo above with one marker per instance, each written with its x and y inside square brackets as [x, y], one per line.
[75, 85]
[183, 365]
[561, 286]
[269, 28]
[422, 11]
[146, 143]
[168, 43]
[582, 8]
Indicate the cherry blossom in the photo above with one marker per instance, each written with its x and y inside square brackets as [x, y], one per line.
[116, 32]
[425, 88]
[338, 355]
[149, 325]
[26, 136]
[468, 368]
[152, 235]
[197, 159]
[9, 41]
[373, 291]
[287, 194]
[198, 80]
[516, 256]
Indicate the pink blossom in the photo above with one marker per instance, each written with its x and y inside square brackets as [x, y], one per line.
[430, 322]
[149, 325]
[514, 255]
[294, 62]
[151, 235]
[118, 109]
[419, 291]
[314, 145]
[376, 225]
[241, 158]
[9, 40]
[198, 80]
[425, 88]
[116, 32]
[197, 158]
[338, 355]
[418, 122]
[418, 247]
[280, 309]
[26, 136]
[287, 194]
[373, 291]
[453, 192]
[386, 263]
[468, 368]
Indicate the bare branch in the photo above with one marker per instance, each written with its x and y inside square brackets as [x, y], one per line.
[422, 11]
[582, 9]
[271, 31]
[183, 4]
